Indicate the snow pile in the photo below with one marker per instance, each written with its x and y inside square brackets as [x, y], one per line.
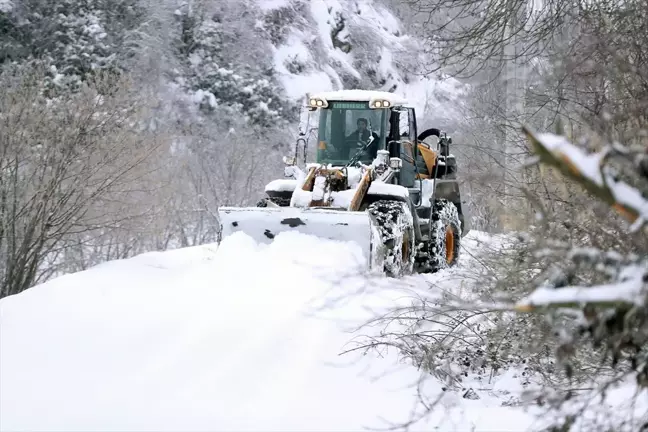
[381, 188]
[281, 185]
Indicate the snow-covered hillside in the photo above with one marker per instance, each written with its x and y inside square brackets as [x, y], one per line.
[257, 59]
[333, 44]
[241, 337]
[321, 45]
[276, 51]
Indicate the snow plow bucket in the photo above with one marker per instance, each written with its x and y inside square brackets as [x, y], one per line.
[263, 224]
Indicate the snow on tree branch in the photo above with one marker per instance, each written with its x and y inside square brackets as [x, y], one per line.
[630, 289]
[595, 173]
[607, 175]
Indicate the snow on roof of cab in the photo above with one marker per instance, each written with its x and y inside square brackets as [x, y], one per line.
[360, 96]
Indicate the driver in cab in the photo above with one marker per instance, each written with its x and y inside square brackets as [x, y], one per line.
[360, 137]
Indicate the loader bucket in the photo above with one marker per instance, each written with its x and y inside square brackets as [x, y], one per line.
[263, 224]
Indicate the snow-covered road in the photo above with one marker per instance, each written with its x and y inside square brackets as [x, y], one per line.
[241, 337]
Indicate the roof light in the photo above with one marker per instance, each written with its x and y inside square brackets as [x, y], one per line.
[317, 103]
[381, 103]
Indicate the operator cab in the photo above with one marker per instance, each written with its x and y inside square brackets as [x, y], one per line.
[352, 125]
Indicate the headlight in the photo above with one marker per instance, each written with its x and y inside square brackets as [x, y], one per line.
[395, 163]
[382, 104]
[317, 103]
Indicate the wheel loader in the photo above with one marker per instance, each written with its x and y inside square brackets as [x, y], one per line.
[376, 181]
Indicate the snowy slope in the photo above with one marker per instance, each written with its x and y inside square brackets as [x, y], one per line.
[243, 337]
[335, 44]
[207, 339]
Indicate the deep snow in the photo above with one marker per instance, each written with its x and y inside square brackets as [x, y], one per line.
[241, 337]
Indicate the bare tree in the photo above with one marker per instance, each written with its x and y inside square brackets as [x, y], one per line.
[68, 166]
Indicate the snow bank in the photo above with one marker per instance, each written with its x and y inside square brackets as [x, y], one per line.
[244, 337]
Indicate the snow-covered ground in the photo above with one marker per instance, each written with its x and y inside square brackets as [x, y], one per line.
[240, 337]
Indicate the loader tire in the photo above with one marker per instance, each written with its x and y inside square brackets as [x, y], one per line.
[445, 236]
[395, 228]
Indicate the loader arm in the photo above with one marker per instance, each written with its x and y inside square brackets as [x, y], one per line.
[361, 191]
[309, 181]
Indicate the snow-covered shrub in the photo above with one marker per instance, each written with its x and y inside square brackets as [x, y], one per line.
[277, 22]
[594, 292]
[588, 292]
[469, 336]
[219, 77]
[75, 37]
[463, 339]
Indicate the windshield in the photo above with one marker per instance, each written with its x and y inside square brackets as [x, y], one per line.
[345, 127]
